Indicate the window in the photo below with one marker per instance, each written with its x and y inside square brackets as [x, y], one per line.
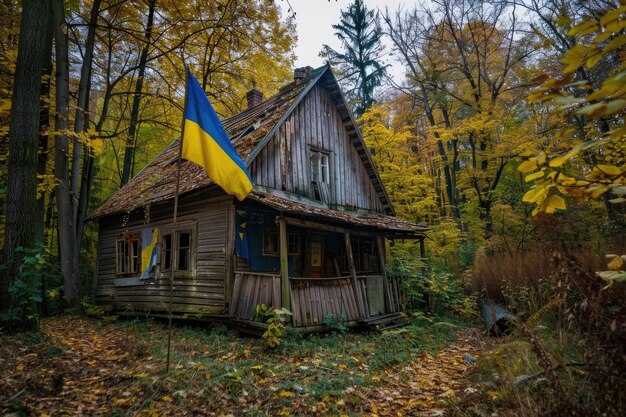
[184, 251]
[167, 251]
[271, 243]
[320, 176]
[319, 167]
[178, 254]
[127, 255]
[364, 254]
[293, 244]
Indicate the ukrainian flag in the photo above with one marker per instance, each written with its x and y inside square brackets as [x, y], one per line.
[149, 240]
[206, 143]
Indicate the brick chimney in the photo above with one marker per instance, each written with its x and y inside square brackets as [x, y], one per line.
[254, 97]
[300, 73]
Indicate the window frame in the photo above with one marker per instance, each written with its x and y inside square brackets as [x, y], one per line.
[321, 169]
[364, 263]
[125, 242]
[174, 236]
[270, 232]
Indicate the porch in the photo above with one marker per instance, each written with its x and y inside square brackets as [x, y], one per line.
[319, 264]
[372, 302]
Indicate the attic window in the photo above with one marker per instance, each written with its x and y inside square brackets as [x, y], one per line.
[320, 175]
[319, 166]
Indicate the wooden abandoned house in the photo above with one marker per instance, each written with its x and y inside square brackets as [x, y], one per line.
[310, 237]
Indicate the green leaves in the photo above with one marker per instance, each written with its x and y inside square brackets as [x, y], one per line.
[274, 318]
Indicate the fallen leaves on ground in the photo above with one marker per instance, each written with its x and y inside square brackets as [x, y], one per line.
[425, 387]
[86, 367]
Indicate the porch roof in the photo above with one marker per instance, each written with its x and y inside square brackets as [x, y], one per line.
[388, 225]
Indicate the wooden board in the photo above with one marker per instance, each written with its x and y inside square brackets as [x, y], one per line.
[284, 163]
[204, 285]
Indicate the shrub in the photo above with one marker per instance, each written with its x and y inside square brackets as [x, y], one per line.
[28, 290]
[335, 324]
[274, 318]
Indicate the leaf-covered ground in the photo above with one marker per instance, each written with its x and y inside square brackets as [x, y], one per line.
[88, 367]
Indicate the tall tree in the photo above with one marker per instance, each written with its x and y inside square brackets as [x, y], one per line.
[465, 59]
[360, 61]
[81, 126]
[129, 151]
[68, 246]
[24, 140]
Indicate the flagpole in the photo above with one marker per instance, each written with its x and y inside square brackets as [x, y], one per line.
[175, 222]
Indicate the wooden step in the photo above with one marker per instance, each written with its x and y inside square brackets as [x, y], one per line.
[250, 327]
[385, 322]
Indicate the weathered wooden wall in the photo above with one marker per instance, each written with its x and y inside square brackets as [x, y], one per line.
[203, 289]
[284, 163]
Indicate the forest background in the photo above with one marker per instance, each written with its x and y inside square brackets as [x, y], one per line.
[506, 137]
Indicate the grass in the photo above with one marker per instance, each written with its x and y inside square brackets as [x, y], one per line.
[217, 370]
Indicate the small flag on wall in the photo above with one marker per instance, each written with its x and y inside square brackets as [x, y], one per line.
[149, 247]
[206, 143]
[241, 242]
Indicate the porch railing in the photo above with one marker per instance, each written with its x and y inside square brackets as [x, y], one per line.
[314, 299]
[251, 289]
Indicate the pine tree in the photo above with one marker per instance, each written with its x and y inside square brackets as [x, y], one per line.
[359, 64]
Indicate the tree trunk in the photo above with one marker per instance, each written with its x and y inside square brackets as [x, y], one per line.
[44, 120]
[21, 206]
[129, 152]
[66, 224]
[81, 124]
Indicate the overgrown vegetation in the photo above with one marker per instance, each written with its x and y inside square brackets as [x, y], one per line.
[274, 318]
[35, 292]
[566, 356]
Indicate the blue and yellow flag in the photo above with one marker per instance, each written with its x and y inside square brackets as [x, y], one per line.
[206, 143]
[149, 240]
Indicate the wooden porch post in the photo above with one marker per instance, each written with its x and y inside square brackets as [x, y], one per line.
[284, 264]
[355, 283]
[389, 304]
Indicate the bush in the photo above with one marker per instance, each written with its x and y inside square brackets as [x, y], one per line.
[335, 324]
[29, 292]
[274, 319]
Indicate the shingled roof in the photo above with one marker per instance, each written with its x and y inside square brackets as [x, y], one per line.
[249, 131]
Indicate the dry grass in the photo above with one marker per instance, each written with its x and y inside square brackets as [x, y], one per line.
[571, 339]
[525, 274]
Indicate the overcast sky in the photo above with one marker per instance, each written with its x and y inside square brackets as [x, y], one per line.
[314, 20]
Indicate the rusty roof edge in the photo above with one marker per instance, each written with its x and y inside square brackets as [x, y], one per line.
[296, 198]
[259, 190]
[257, 149]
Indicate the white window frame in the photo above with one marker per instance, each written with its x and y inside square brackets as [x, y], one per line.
[320, 166]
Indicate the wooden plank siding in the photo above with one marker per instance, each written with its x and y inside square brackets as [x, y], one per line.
[200, 290]
[284, 163]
